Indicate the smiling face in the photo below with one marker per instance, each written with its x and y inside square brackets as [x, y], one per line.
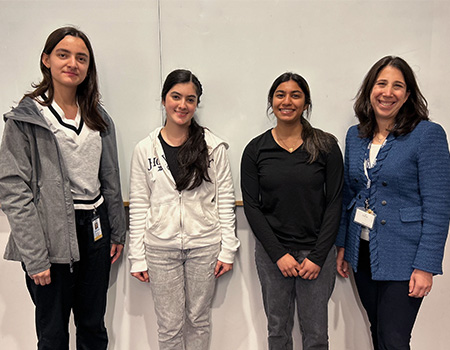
[288, 102]
[180, 104]
[389, 93]
[68, 62]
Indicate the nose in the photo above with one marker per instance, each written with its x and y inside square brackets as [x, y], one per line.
[388, 90]
[182, 103]
[72, 61]
[286, 100]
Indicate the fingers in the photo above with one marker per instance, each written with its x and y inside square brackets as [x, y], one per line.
[42, 278]
[141, 276]
[222, 268]
[309, 270]
[116, 251]
[420, 283]
[288, 266]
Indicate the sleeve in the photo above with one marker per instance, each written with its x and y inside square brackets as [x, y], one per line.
[225, 206]
[110, 184]
[347, 196]
[333, 205]
[252, 208]
[434, 189]
[17, 197]
[139, 205]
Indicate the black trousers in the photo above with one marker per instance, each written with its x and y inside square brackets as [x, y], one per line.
[390, 310]
[82, 291]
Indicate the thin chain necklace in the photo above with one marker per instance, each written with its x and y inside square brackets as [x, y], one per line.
[286, 147]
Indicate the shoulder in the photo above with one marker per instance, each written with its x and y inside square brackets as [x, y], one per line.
[148, 142]
[428, 127]
[212, 141]
[260, 140]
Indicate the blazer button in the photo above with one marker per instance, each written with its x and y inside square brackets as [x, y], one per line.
[383, 202]
[356, 180]
[359, 197]
[383, 222]
[384, 183]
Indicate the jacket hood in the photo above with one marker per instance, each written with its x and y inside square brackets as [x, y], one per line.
[26, 111]
[212, 141]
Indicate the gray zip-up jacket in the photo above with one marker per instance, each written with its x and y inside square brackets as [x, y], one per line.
[35, 190]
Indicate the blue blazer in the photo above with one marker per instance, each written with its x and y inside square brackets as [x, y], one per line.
[410, 194]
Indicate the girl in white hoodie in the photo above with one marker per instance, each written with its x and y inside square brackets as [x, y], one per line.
[182, 222]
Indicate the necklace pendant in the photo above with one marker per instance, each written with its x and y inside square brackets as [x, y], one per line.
[291, 150]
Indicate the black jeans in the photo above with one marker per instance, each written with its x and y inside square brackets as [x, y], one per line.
[82, 291]
[391, 311]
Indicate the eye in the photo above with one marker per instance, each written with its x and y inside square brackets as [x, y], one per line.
[82, 59]
[61, 55]
[280, 96]
[399, 86]
[296, 96]
[175, 97]
[191, 100]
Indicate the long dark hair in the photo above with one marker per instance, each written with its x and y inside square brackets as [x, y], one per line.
[410, 114]
[87, 92]
[315, 140]
[193, 154]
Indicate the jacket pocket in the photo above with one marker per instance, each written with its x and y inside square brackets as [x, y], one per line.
[411, 214]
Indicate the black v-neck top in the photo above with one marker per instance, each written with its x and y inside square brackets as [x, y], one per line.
[290, 204]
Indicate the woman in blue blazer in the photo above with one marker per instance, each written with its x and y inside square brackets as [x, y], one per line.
[396, 201]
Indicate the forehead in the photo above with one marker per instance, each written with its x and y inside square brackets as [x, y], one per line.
[289, 85]
[187, 89]
[391, 73]
[72, 44]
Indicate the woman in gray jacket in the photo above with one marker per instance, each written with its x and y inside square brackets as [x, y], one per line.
[60, 189]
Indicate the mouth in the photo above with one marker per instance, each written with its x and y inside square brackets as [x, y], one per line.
[286, 110]
[71, 74]
[386, 104]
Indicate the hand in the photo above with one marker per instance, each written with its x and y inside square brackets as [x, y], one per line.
[116, 250]
[341, 264]
[222, 268]
[288, 266]
[141, 276]
[42, 278]
[420, 283]
[309, 270]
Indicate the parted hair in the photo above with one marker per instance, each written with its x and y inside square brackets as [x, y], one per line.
[193, 157]
[315, 141]
[87, 92]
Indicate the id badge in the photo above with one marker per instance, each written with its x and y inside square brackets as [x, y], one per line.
[365, 217]
[96, 228]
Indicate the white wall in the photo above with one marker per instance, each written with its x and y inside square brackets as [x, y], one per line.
[236, 48]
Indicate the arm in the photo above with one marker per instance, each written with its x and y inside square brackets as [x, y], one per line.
[332, 211]
[139, 205]
[110, 187]
[18, 155]
[434, 188]
[260, 227]
[225, 207]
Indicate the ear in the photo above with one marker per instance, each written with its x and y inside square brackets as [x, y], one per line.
[46, 60]
[305, 107]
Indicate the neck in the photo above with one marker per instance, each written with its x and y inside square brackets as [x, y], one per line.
[383, 126]
[175, 135]
[284, 130]
[65, 97]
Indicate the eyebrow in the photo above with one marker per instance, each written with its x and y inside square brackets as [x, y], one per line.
[293, 91]
[177, 93]
[67, 51]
